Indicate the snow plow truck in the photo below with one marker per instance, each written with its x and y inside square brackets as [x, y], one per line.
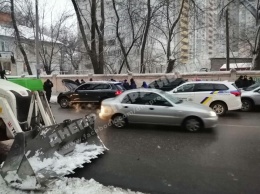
[41, 150]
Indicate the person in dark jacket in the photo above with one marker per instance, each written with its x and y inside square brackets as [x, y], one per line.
[82, 81]
[144, 85]
[251, 81]
[126, 85]
[77, 81]
[245, 82]
[239, 82]
[132, 83]
[47, 86]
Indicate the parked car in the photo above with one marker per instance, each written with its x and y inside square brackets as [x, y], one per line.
[166, 84]
[250, 97]
[221, 96]
[152, 106]
[92, 92]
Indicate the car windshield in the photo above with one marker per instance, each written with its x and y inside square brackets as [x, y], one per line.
[252, 87]
[171, 98]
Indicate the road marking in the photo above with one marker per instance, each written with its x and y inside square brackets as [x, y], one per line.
[244, 126]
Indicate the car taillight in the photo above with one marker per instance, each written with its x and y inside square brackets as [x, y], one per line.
[118, 92]
[236, 93]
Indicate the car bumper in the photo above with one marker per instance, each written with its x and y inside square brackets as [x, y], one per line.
[104, 117]
[210, 122]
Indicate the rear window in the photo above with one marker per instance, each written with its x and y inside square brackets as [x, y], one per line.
[220, 87]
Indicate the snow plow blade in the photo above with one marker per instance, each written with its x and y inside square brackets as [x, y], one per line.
[40, 156]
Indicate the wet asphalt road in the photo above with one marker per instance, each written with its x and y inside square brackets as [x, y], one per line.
[159, 159]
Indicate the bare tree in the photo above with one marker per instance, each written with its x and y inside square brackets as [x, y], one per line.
[255, 13]
[17, 36]
[97, 59]
[132, 20]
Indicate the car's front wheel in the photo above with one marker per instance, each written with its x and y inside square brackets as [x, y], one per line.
[64, 103]
[247, 105]
[219, 107]
[192, 124]
[119, 121]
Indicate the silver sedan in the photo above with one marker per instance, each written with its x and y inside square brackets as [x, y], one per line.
[151, 106]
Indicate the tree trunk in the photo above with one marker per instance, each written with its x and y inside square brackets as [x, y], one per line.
[17, 35]
[256, 53]
[119, 39]
[146, 31]
[101, 40]
[171, 62]
[93, 56]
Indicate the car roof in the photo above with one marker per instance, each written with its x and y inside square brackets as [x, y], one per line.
[214, 82]
[104, 82]
[144, 90]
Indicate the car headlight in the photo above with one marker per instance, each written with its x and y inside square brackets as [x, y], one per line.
[212, 114]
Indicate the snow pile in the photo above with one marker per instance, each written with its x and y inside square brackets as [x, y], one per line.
[14, 180]
[62, 165]
[68, 186]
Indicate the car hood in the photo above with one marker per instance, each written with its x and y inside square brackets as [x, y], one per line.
[194, 106]
[71, 85]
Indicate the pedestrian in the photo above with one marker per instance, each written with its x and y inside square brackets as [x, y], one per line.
[91, 79]
[251, 81]
[47, 86]
[245, 82]
[113, 80]
[144, 85]
[77, 81]
[132, 83]
[82, 81]
[126, 85]
[2, 74]
[239, 82]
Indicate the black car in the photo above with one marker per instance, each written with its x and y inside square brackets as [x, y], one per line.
[92, 92]
[166, 84]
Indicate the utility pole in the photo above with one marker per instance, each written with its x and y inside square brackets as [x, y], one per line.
[227, 40]
[37, 66]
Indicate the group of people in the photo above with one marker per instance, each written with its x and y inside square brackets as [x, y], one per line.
[132, 84]
[243, 82]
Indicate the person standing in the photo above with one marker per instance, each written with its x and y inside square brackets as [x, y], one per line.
[132, 83]
[144, 85]
[47, 86]
[126, 85]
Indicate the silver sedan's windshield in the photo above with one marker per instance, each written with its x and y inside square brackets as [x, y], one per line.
[252, 87]
[172, 98]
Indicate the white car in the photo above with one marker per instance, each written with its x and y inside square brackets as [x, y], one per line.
[221, 96]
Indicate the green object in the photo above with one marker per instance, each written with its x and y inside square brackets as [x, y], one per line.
[32, 84]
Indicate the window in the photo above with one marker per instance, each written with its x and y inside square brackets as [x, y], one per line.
[86, 87]
[145, 98]
[203, 87]
[153, 99]
[101, 87]
[220, 87]
[186, 88]
[2, 46]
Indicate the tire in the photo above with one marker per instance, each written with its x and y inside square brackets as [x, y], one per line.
[247, 105]
[219, 107]
[192, 124]
[119, 121]
[64, 103]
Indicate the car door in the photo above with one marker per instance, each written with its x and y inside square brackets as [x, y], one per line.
[101, 91]
[84, 93]
[184, 92]
[256, 96]
[158, 110]
[203, 93]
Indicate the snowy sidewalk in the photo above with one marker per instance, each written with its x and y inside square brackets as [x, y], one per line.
[68, 186]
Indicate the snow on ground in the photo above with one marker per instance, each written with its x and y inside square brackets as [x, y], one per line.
[53, 98]
[69, 186]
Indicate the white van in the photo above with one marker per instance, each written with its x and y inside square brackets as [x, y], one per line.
[221, 96]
